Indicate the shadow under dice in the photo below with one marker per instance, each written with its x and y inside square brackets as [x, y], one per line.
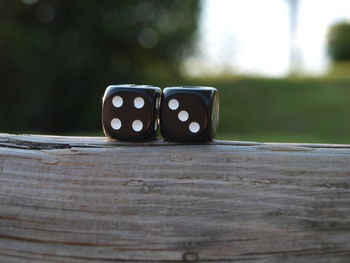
[189, 113]
[130, 112]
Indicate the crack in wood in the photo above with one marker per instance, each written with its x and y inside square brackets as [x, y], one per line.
[190, 257]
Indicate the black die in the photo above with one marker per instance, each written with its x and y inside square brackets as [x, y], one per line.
[189, 114]
[130, 112]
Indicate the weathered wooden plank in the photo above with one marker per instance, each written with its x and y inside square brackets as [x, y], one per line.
[81, 199]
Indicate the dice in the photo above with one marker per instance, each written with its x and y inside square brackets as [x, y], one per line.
[189, 114]
[130, 112]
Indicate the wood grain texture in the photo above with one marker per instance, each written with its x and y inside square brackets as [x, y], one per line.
[86, 199]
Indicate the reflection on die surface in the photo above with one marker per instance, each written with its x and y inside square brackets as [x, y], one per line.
[130, 112]
[189, 113]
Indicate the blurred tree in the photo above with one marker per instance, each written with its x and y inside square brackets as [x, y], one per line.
[57, 56]
[339, 42]
[294, 52]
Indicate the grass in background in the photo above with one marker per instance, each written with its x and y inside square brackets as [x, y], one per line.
[283, 110]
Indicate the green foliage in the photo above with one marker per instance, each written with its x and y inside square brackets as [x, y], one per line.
[339, 42]
[57, 56]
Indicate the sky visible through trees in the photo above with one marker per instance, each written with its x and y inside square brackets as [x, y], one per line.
[253, 36]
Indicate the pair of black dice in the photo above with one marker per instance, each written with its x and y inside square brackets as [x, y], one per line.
[184, 114]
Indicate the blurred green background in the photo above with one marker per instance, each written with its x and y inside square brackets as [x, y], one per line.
[58, 56]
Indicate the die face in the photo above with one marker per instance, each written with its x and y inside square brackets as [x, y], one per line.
[189, 113]
[130, 112]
